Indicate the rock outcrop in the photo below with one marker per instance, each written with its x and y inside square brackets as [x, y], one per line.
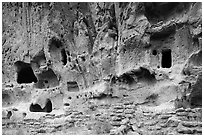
[62, 58]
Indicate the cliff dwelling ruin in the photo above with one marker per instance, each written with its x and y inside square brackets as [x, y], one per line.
[101, 68]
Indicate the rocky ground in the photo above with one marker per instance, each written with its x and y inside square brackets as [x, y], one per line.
[125, 118]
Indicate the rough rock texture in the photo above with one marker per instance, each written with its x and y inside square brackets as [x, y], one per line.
[102, 68]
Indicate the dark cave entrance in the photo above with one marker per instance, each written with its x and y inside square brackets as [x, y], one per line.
[54, 44]
[57, 50]
[37, 108]
[72, 86]
[154, 52]
[126, 78]
[25, 73]
[144, 75]
[166, 58]
[154, 11]
[196, 93]
[48, 106]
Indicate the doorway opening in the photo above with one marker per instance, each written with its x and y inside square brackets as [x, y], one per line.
[166, 61]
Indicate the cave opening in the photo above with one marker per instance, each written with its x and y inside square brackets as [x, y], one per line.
[127, 79]
[48, 106]
[64, 57]
[196, 93]
[54, 44]
[9, 114]
[144, 75]
[156, 10]
[166, 58]
[196, 101]
[72, 86]
[37, 107]
[25, 73]
[154, 52]
[47, 79]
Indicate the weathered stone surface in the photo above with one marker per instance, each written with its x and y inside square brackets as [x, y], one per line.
[165, 116]
[129, 111]
[182, 113]
[102, 68]
[191, 124]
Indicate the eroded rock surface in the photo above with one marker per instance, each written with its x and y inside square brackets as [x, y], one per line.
[102, 68]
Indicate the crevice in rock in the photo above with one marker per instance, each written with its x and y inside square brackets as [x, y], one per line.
[64, 56]
[9, 114]
[24, 73]
[163, 33]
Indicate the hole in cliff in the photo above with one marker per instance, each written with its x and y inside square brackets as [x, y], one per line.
[163, 34]
[24, 72]
[69, 59]
[166, 58]
[64, 56]
[196, 93]
[154, 52]
[156, 10]
[72, 86]
[54, 43]
[9, 114]
[83, 58]
[48, 106]
[55, 50]
[66, 104]
[47, 79]
[37, 108]
[127, 79]
[144, 75]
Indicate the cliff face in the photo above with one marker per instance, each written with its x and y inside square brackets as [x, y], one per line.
[149, 53]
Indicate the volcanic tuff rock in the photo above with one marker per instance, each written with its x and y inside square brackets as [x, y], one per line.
[102, 68]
